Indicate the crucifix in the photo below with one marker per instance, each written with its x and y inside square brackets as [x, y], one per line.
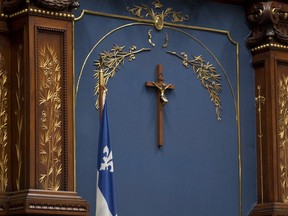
[161, 99]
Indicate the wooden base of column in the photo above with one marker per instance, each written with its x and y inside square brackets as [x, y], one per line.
[270, 209]
[42, 202]
[3, 204]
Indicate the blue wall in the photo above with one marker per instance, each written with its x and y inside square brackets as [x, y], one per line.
[197, 168]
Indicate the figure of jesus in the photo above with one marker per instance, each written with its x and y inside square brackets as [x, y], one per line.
[162, 87]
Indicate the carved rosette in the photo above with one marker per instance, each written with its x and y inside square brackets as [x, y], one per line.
[283, 136]
[50, 148]
[269, 23]
[3, 126]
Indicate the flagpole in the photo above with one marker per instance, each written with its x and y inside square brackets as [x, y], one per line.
[101, 88]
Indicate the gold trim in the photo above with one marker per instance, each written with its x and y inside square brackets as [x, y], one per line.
[238, 120]
[143, 21]
[38, 11]
[269, 45]
[50, 149]
[158, 18]
[3, 126]
[260, 100]
[74, 111]
[19, 113]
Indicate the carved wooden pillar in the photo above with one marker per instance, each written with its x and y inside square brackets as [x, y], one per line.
[269, 47]
[5, 69]
[36, 109]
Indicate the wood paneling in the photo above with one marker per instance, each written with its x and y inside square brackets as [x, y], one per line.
[36, 111]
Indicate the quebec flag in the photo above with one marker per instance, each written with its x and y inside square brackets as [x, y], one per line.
[105, 201]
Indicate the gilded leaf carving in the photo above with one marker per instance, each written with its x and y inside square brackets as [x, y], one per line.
[283, 136]
[3, 126]
[110, 62]
[50, 149]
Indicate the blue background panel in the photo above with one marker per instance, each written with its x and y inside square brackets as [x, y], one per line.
[196, 171]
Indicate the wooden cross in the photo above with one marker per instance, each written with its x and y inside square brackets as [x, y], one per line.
[161, 100]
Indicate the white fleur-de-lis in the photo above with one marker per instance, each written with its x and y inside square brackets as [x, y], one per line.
[108, 160]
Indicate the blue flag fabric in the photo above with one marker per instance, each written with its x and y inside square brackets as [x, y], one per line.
[105, 200]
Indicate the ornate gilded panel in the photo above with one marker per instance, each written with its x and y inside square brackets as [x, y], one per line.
[3, 126]
[49, 102]
[283, 135]
[19, 117]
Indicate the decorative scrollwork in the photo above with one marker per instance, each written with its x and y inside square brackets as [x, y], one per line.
[144, 11]
[283, 136]
[3, 126]
[111, 61]
[206, 73]
[50, 148]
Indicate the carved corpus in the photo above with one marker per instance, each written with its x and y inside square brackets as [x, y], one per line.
[161, 100]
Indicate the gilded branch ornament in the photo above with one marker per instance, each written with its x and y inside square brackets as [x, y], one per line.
[206, 73]
[3, 126]
[110, 63]
[158, 18]
[19, 113]
[283, 136]
[50, 149]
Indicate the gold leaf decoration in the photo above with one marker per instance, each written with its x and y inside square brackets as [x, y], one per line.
[50, 149]
[158, 18]
[3, 126]
[283, 136]
[19, 113]
[111, 62]
[207, 75]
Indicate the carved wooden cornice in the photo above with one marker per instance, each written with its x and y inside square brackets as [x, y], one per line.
[12, 6]
[59, 5]
[269, 23]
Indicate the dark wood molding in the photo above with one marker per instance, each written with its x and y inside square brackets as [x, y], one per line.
[268, 43]
[12, 6]
[57, 5]
[268, 22]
